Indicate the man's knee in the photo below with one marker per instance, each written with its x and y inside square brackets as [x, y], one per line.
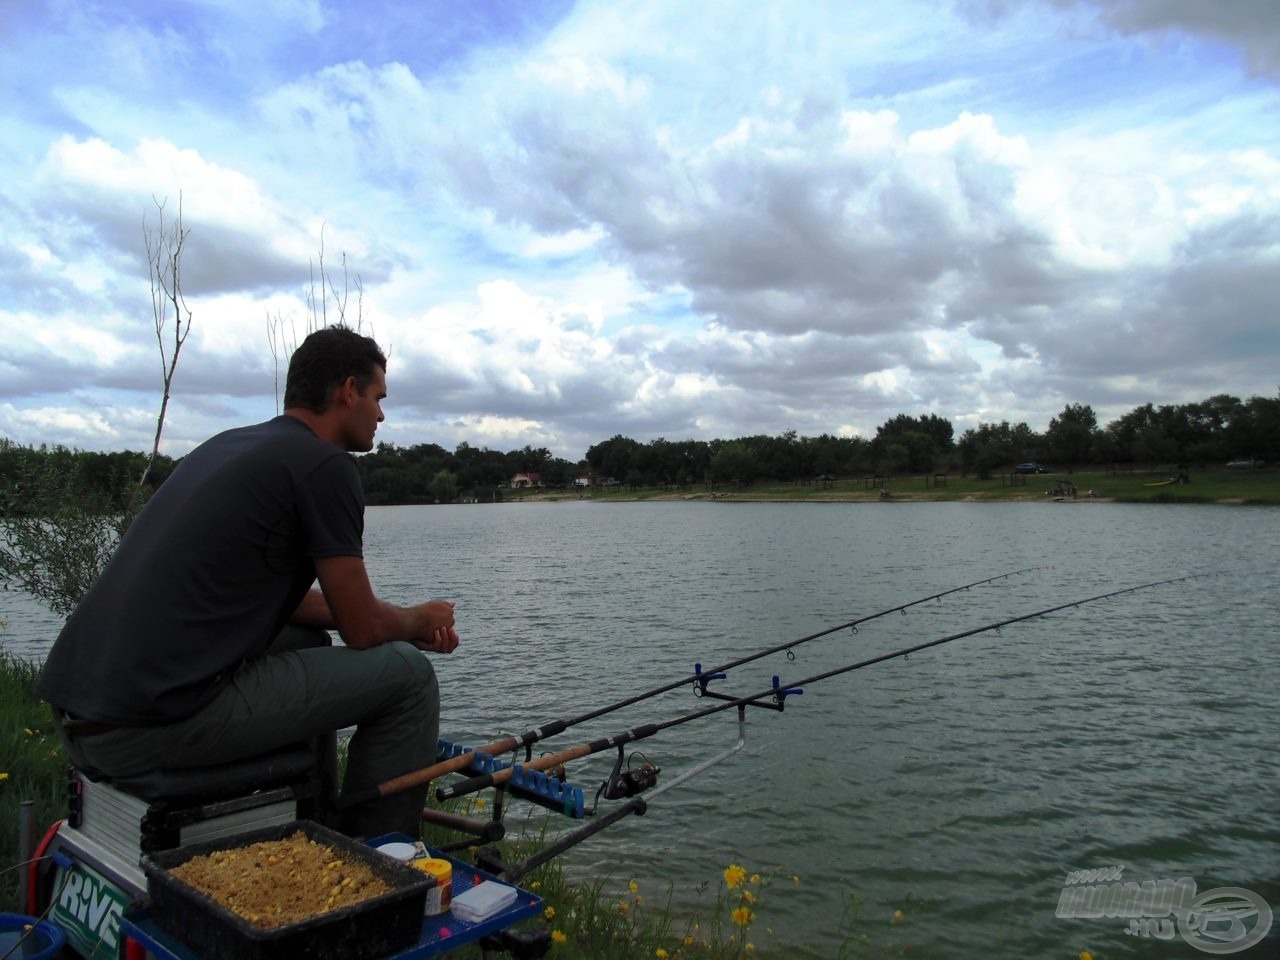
[415, 666]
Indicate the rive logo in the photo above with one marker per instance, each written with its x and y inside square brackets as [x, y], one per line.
[88, 909]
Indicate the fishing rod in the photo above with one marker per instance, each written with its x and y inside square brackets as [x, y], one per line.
[551, 728]
[500, 776]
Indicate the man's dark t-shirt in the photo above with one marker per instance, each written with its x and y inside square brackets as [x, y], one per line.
[207, 575]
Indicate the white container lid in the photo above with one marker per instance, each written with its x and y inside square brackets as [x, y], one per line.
[398, 850]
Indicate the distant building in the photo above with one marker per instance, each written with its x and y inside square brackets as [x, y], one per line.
[525, 481]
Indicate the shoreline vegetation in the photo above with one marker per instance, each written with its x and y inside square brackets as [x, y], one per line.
[1154, 485]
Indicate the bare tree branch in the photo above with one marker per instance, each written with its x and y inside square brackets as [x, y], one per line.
[322, 288]
[168, 306]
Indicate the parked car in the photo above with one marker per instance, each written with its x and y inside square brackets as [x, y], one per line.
[1029, 468]
[1245, 464]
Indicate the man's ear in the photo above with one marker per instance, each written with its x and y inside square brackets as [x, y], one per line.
[347, 392]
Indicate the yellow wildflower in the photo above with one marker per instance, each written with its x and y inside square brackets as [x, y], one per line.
[549, 913]
[796, 879]
[28, 731]
[3, 777]
[733, 875]
[535, 885]
[1086, 955]
[748, 896]
[741, 916]
[558, 937]
[660, 954]
[479, 803]
[755, 878]
[751, 948]
[897, 917]
[689, 940]
[623, 906]
[633, 886]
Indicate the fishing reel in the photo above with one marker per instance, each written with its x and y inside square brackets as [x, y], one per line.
[631, 781]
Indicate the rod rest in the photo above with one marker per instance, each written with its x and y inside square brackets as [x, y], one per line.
[532, 785]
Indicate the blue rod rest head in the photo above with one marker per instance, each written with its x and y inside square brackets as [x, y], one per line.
[781, 693]
[702, 679]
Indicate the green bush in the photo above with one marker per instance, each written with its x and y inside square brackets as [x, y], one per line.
[32, 767]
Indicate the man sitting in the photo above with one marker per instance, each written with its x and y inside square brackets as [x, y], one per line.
[202, 641]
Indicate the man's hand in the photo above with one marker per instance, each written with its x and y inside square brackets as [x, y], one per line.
[444, 640]
[365, 621]
[435, 618]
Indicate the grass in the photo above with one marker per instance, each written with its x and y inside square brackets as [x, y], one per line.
[32, 767]
[631, 918]
[1136, 485]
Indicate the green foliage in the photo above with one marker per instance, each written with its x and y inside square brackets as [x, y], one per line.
[734, 463]
[992, 445]
[1218, 429]
[32, 767]
[61, 515]
[612, 918]
[444, 487]
[392, 474]
[1070, 435]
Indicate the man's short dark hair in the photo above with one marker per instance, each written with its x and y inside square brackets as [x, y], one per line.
[324, 360]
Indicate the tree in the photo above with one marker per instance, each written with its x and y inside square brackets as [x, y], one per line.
[444, 487]
[1070, 433]
[282, 333]
[58, 532]
[733, 462]
[64, 532]
[612, 458]
[1260, 437]
[907, 443]
[995, 444]
[164, 264]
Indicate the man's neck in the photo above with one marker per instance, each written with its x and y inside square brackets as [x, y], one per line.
[323, 425]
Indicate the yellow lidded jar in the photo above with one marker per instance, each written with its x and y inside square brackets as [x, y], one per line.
[439, 896]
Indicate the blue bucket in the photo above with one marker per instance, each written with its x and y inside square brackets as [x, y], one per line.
[43, 943]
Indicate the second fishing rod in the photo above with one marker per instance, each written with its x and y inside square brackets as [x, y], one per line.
[644, 731]
[553, 727]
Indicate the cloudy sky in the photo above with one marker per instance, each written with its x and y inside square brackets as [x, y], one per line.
[660, 219]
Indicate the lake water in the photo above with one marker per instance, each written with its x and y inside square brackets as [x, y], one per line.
[959, 786]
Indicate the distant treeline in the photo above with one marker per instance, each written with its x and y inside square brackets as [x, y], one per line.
[1216, 430]
[1211, 432]
[41, 479]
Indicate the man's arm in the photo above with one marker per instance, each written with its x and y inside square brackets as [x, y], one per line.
[346, 598]
[313, 611]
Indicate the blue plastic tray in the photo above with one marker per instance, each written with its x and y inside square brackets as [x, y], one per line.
[440, 934]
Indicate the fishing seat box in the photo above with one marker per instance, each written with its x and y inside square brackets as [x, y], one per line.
[165, 808]
[113, 823]
[379, 927]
